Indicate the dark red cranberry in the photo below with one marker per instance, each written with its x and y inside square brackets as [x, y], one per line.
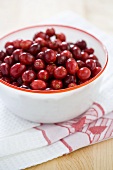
[16, 43]
[60, 72]
[81, 44]
[72, 85]
[43, 75]
[17, 69]
[20, 81]
[38, 85]
[50, 68]
[93, 57]
[15, 83]
[50, 32]
[41, 41]
[40, 55]
[56, 84]
[50, 56]
[24, 86]
[4, 67]
[64, 46]
[76, 52]
[28, 76]
[71, 46]
[71, 66]
[69, 79]
[97, 63]
[26, 58]
[83, 73]
[61, 59]
[25, 44]
[34, 48]
[9, 50]
[66, 53]
[96, 71]
[80, 63]
[53, 45]
[89, 50]
[1, 74]
[90, 64]
[84, 56]
[61, 37]
[6, 79]
[9, 60]
[39, 64]
[16, 54]
[43, 49]
[8, 43]
[39, 35]
[2, 55]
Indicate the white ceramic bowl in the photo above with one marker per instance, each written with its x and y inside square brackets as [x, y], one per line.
[60, 105]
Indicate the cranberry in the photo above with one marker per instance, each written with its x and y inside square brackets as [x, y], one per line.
[84, 56]
[41, 41]
[80, 63]
[25, 44]
[9, 49]
[9, 60]
[61, 59]
[93, 57]
[96, 71]
[49, 88]
[43, 49]
[6, 79]
[17, 69]
[56, 84]
[38, 85]
[71, 66]
[39, 35]
[4, 67]
[97, 63]
[89, 50]
[90, 64]
[39, 64]
[76, 52]
[20, 81]
[43, 75]
[34, 48]
[50, 68]
[50, 56]
[72, 85]
[40, 55]
[81, 44]
[2, 55]
[61, 37]
[8, 43]
[64, 46]
[16, 43]
[28, 76]
[53, 44]
[50, 32]
[0, 74]
[60, 72]
[69, 79]
[83, 73]
[71, 46]
[16, 54]
[15, 83]
[24, 86]
[67, 53]
[26, 58]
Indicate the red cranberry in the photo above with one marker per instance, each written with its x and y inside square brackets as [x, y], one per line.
[60, 72]
[56, 84]
[39, 35]
[6, 79]
[34, 48]
[93, 57]
[9, 49]
[20, 81]
[16, 54]
[50, 68]
[40, 55]
[53, 45]
[84, 56]
[80, 63]
[71, 46]
[83, 73]
[26, 58]
[17, 69]
[97, 63]
[25, 44]
[2, 55]
[61, 37]
[71, 66]
[38, 85]
[96, 71]
[50, 32]
[28, 76]
[90, 64]
[43, 49]
[15, 83]
[8, 43]
[76, 52]
[39, 64]
[81, 44]
[41, 41]
[64, 46]
[50, 56]
[69, 79]
[43, 75]
[24, 86]
[4, 67]
[16, 43]
[67, 53]
[9, 60]
[72, 85]
[61, 59]
[89, 50]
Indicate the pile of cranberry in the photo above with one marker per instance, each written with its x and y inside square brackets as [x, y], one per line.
[47, 62]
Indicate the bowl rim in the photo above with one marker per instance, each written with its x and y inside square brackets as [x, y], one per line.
[61, 90]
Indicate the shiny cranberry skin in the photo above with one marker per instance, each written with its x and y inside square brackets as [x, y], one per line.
[53, 45]
[26, 58]
[76, 52]
[89, 50]
[40, 55]
[93, 57]
[50, 56]
[96, 71]
[64, 46]
[8, 43]
[71, 66]
[90, 64]
[9, 60]
[24, 86]
[15, 83]
[2, 55]
[72, 85]
[16, 54]
[9, 50]
[16, 43]
[56, 84]
[4, 67]
[25, 44]
[38, 85]
[71, 46]
[69, 79]
[80, 63]
[17, 69]
[60, 72]
[49, 88]
[66, 53]
[61, 59]
[43, 49]
[97, 63]
[39, 64]
[50, 68]
[28, 76]
[84, 56]
[6, 79]
[34, 48]
[20, 81]
[81, 44]
[50, 32]
[41, 41]
[61, 37]
[39, 35]
[43, 75]
[83, 73]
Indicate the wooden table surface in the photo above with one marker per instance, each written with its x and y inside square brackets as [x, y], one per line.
[96, 157]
